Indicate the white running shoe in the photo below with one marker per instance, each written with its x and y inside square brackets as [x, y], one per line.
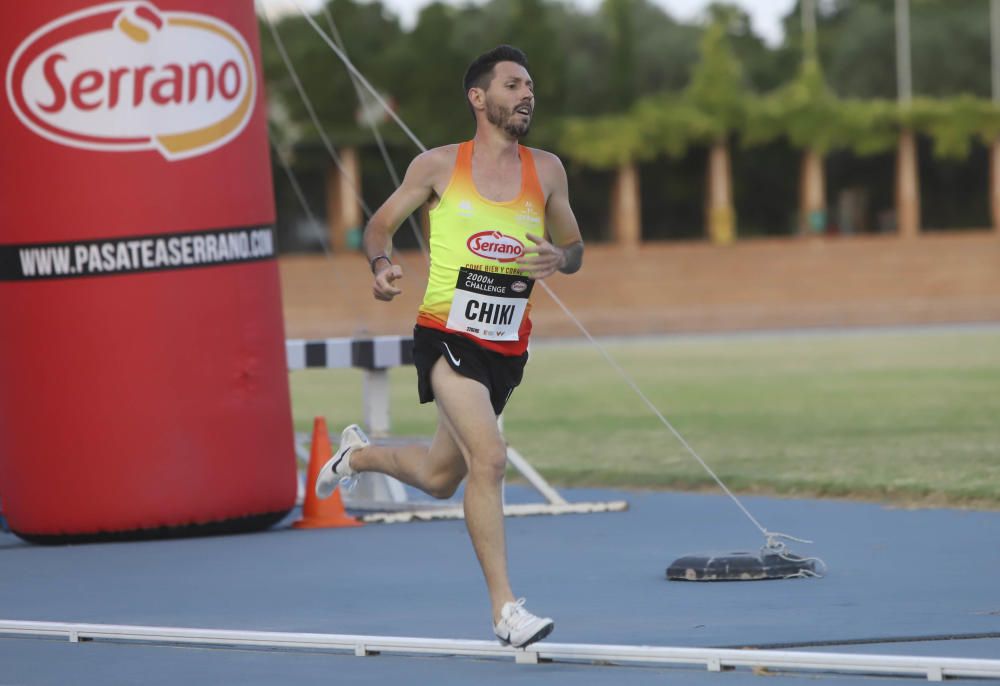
[337, 469]
[519, 628]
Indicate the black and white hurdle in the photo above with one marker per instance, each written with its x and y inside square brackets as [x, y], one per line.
[376, 356]
[380, 352]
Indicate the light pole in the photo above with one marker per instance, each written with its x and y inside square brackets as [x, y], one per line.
[904, 73]
[995, 83]
[809, 27]
[812, 177]
[907, 181]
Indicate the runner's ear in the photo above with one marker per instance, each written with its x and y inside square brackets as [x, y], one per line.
[477, 98]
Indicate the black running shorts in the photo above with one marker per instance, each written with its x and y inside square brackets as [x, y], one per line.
[499, 373]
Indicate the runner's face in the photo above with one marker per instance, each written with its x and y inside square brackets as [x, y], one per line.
[510, 99]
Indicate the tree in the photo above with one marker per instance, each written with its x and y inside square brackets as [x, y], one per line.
[856, 46]
[611, 142]
[369, 33]
[808, 113]
[954, 124]
[763, 69]
[431, 98]
[718, 93]
[637, 40]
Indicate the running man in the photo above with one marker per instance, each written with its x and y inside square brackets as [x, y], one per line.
[500, 219]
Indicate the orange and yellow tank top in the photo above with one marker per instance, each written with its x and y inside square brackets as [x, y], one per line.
[475, 289]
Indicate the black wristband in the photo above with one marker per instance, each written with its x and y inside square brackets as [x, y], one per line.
[375, 259]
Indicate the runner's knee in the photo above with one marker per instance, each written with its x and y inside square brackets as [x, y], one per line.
[490, 464]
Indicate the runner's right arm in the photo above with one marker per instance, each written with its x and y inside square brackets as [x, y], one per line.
[416, 189]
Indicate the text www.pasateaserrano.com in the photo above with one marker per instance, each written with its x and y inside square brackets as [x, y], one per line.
[142, 254]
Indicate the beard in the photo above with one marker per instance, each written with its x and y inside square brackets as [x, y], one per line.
[503, 117]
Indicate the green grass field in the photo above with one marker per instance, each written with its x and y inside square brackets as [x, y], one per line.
[908, 417]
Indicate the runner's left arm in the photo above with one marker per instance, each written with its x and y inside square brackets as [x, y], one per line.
[561, 249]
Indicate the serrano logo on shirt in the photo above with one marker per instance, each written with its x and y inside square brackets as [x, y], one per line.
[494, 245]
[127, 76]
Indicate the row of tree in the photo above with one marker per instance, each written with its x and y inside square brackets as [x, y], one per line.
[628, 83]
[717, 106]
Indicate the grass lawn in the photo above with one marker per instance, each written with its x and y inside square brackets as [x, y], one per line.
[910, 417]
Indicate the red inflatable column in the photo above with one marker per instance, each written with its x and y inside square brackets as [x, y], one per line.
[143, 385]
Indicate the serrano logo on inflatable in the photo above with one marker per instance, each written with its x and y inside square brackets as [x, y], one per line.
[126, 76]
[494, 245]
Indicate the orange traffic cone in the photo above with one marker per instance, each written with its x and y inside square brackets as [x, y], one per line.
[316, 513]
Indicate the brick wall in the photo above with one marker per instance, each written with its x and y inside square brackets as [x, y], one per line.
[694, 287]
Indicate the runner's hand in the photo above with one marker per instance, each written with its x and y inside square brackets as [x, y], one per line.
[541, 260]
[383, 288]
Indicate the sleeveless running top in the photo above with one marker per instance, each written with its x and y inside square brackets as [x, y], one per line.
[475, 289]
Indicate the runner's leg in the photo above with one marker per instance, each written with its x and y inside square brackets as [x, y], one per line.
[436, 471]
[465, 410]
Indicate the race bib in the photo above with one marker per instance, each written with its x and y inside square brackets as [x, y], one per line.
[489, 306]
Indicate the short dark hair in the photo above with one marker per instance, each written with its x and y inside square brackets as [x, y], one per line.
[480, 72]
